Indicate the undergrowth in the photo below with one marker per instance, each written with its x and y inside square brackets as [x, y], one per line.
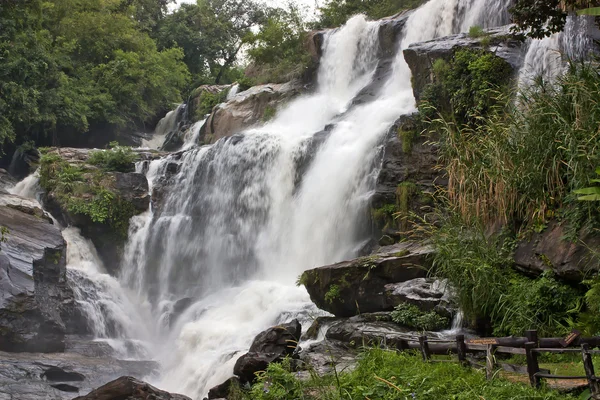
[387, 375]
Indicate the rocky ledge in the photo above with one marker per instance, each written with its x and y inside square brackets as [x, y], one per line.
[36, 303]
[371, 284]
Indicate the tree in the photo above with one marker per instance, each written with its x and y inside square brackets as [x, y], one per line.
[336, 12]
[211, 33]
[541, 18]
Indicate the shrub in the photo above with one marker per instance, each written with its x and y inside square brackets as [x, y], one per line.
[412, 317]
[476, 31]
[116, 159]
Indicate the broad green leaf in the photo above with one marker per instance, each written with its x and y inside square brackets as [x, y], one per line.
[589, 11]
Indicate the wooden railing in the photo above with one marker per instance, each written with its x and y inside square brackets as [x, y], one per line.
[529, 346]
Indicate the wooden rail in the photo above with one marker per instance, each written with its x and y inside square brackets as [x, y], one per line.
[530, 346]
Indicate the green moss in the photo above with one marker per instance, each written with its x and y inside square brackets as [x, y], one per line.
[401, 253]
[269, 113]
[407, 138]
[384, 216]
[404, 192]
[333, 294]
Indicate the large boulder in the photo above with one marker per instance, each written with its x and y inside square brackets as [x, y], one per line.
[426, 293]
[421, 56]
[550, 251]
[35, 300]
[249, 108]
[269, 346]
[129, 388]
[358, 286]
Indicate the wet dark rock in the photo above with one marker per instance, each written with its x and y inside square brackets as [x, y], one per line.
[269, 346]
[426, 293]
[366, 330]
[35, 300]
[222, 391]
[407, 181]
[323, 357]
[59, 376]
[421, 56]
[129, 388]
[24, 161]
[550, 251]
[318, 325]
[6, 180]
[358, 286]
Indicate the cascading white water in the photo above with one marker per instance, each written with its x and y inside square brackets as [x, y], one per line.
[233, 91]
[247, 215]
[28, 187]
[165, 126]
[547, 58]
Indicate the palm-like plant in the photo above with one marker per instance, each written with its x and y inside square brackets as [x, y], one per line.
[591, 193]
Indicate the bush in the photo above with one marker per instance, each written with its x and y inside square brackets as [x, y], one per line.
[410, 316]
[476, 31]
[117, 159]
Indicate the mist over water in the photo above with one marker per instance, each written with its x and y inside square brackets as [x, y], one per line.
[240, 220]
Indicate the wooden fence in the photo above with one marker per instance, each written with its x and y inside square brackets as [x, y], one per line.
[530, 346]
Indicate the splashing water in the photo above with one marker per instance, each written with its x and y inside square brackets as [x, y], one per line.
[165, 126]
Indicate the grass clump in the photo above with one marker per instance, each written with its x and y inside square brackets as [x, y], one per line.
[411, 316]
[116, 159]
[385, 375]
[476, 31]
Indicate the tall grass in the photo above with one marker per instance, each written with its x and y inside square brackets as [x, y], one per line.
[522, 162]
[386, 375]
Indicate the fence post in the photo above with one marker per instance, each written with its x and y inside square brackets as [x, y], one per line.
[424, 348]
[532, 364]
[461, 348]
[588, 365]
[489, 361]
[532, 336]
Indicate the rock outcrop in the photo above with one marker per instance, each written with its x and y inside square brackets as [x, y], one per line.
[407, 181]
[249, 108]
[420, 57]
[358, 286]
[35, 300]
[269, 346]
[129, 388]
[125, 194]
[426, 293]
[62, 376]
[550, 251]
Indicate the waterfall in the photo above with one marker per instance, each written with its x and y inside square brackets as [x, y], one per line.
[243, 218]
[28, 187]
[165, 126]
[547, 58]
[233, 91]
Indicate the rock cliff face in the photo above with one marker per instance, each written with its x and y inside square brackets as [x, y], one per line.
[421, 56]
[36, 303]
[249, 108]
[359, 286]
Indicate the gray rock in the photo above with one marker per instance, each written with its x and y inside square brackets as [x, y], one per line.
[246, 109]
[33, 376]
[35, 300]
[358, 286]
[421, 56]
[222, 391]
[549, 251]
[129, 388]
[325, 357]
[427, 294]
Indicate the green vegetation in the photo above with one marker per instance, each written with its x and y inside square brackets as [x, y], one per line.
[79, 189]
[336, 12]
[207, 101]
[384, 216]
[410, 316]
[332, 294]
[386, 375]
[476, 31]
[591, 193]
[69, 67]
[117, 159]
[466, 87]
[407, 137]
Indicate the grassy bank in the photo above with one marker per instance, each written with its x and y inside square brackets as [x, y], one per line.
[387, 375]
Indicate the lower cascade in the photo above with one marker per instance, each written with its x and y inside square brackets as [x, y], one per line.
[233, 225]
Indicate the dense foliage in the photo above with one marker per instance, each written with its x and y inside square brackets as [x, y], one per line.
[67, 65]
[336, 12]
[539, 19]
[411, 316]
[516, 164]
[387, 375]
